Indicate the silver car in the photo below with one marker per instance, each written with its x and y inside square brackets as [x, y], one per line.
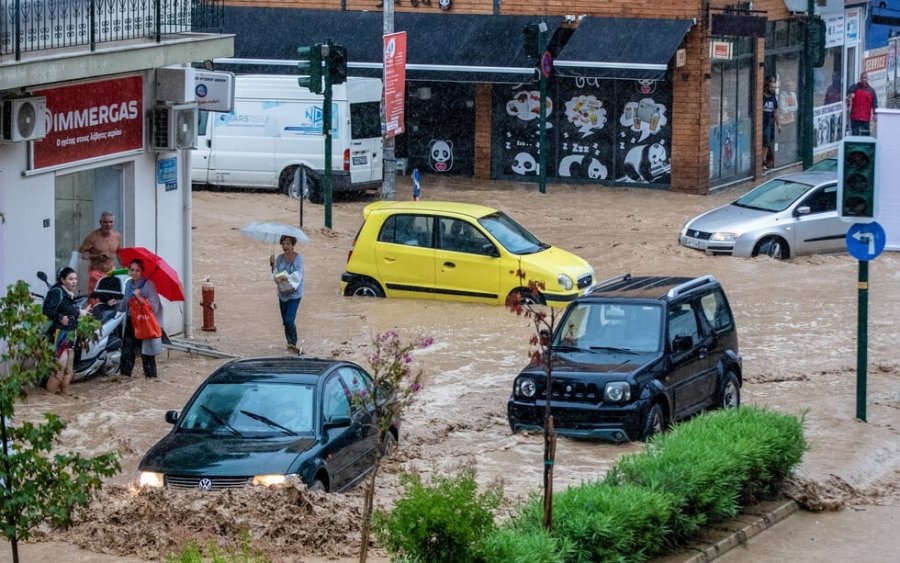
[785, 217]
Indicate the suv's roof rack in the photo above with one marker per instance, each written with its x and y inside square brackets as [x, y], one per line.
[607, 282]
[689, 285]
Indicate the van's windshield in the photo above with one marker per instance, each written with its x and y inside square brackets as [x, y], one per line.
[365, 120]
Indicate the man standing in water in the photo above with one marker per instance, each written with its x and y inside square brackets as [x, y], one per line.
[100, 248]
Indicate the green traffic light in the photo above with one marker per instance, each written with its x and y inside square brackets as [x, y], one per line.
[310, 67]
[858, 186]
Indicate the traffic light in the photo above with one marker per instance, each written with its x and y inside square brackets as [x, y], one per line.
[337, 64]
[815, 45]
[532, 45]
[857, 184]
[310, 67]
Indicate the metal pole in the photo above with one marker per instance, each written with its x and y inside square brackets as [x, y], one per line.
[862, 339]
[389, 157]
[542, 137]
[326, 119]
[808, 79]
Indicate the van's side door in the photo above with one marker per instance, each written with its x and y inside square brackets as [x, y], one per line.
[243, 143]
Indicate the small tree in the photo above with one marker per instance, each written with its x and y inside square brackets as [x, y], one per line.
[36, 487]
[526, 303]
[395, 383]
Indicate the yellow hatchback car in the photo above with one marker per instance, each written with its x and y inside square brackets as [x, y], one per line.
[458, 252]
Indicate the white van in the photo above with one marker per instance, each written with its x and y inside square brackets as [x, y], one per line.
[275, 130]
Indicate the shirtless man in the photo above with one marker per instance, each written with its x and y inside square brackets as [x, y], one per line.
[100, 248]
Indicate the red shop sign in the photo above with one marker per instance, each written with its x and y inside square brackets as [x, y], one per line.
[91, 120]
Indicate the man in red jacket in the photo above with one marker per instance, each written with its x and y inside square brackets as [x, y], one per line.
[863, 101]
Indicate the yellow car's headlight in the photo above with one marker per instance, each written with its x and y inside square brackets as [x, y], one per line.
[152, 479]
[565, 282]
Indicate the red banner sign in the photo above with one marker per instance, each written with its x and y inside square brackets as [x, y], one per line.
[394, 82]
[91, 120]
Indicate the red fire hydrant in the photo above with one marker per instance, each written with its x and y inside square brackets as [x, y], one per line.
[209, 307]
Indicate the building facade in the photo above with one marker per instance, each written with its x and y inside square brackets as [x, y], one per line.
[78, 112]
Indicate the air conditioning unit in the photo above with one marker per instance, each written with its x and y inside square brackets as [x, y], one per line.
[24, 119]
[174, 127]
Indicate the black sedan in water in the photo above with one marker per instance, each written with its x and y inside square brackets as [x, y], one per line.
[269, 421]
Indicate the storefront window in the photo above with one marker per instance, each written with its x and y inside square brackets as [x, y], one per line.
[731, 114]
[784, 42]
[828, 101]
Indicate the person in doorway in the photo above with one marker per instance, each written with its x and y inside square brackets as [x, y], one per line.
[60, 308]
[287, 272]
[862, 101]
[769, 122]
[100, 248]
[142, 289]
[833, 92]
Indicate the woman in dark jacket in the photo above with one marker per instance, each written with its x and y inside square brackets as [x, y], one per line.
[60, 308]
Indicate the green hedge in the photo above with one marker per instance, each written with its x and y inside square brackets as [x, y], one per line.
[701, 471]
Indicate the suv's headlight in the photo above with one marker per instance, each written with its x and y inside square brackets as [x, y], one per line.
[151, 479]
[617, 391]
[565, 282]
[526, 387]
[723, 237]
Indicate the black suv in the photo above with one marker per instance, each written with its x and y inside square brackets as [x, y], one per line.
[631, 356]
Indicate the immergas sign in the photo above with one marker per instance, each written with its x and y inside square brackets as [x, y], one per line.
[91, 120]
[214, 90]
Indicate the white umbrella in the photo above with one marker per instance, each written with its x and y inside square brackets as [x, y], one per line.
[271, 232]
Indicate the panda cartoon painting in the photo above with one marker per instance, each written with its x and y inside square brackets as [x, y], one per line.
[646, 164]
[524, 164]
[440, 155]
[582, 166]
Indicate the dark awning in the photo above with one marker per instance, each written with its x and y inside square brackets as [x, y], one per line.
[440, 46]
[636, 48]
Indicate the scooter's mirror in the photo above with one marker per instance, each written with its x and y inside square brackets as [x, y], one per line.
[42, 276]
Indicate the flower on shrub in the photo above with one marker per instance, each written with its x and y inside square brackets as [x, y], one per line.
[394, 379]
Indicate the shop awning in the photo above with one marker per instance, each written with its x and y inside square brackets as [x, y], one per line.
[440, 46]
[635, 48]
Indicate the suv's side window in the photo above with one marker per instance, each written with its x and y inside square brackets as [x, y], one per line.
[716, 311]
[683, 322]
[410, 230]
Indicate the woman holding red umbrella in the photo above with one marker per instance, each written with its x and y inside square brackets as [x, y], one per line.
[143, 290]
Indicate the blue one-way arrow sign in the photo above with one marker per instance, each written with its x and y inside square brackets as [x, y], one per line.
[865, 241]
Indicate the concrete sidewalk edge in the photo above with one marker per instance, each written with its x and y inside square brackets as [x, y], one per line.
[734, 532]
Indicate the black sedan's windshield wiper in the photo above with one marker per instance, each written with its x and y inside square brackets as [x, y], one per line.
[218, 418]
[268, 421]
[614, 349]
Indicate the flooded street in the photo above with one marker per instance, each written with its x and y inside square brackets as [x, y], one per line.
[796, 324]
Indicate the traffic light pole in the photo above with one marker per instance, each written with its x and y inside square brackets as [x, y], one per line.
[808, 80]
[862, 338]
[542, 136]
[326, 127]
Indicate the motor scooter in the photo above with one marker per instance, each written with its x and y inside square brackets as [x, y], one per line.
[104, 354]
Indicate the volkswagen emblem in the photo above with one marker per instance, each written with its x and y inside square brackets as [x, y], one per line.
[204, 484]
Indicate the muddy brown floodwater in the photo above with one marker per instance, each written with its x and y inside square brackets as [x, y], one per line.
[796, 322]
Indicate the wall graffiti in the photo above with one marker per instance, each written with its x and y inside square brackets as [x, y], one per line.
[606, 132]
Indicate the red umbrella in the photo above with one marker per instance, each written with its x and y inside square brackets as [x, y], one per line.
[157, 270]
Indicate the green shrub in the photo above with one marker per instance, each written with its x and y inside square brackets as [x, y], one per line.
[714, 463]
[511, 545]
[443, 522]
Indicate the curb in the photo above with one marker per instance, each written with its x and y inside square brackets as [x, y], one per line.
[732, 533]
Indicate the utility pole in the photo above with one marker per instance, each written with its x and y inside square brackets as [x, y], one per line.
[388, 146]
[535, 46]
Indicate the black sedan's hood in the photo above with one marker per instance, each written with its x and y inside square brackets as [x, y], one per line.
[189, 453]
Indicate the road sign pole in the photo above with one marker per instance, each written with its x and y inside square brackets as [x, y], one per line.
[542, 135]
[326, 118]
[862, 339]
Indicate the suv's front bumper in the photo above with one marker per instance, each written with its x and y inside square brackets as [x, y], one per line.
[615, 423]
